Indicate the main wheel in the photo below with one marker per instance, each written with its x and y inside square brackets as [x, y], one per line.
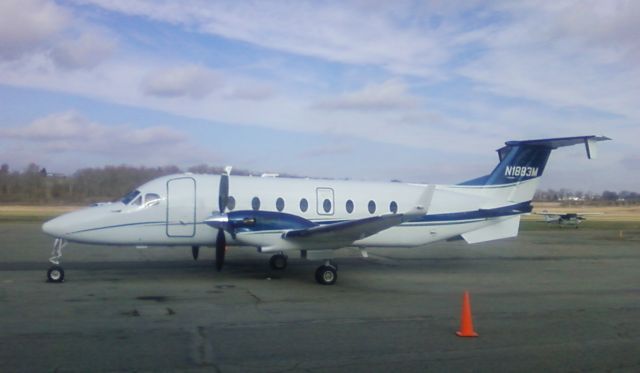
[278, 261]
[55, 274]
[326, 275]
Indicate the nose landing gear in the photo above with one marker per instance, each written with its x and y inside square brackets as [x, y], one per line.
[55, 272]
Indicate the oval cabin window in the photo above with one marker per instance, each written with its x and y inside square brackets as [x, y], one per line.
[255, 203]
[349, 206]
[326, 205]
[372, 207]
[280, 204]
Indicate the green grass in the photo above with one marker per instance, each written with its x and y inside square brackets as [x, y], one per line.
[529, 225]
[15, 218]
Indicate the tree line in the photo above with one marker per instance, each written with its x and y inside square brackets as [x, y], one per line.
[576, 197]
[34, 185]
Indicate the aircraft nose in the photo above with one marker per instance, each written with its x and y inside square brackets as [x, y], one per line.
[53, 227]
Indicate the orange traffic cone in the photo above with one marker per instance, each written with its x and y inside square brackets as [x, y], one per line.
[466, 324]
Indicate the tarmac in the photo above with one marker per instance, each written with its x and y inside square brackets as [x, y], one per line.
[550, 300]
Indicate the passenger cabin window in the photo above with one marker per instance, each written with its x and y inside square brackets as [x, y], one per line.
[130, 197]
[280, 204]
[255, 203]
[372, 206]
[349, 206]
[326, 205]
[231, 203]
[151, 199]
[304, 205]
[393, 207]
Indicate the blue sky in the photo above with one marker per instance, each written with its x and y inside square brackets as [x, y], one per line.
[418, 91]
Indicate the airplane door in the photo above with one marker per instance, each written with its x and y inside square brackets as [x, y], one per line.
[324, 201]
[181, 207]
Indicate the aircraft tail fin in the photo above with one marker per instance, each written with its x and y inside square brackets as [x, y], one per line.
[525, 160]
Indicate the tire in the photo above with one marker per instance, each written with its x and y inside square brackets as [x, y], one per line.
[326, 275]
[278, 262]
[55, 274]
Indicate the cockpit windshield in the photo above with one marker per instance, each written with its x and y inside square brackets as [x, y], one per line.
[130, 197]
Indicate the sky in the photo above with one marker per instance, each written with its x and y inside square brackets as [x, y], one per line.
[420, 91]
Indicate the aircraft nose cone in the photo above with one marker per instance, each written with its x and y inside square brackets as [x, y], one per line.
[53, 228]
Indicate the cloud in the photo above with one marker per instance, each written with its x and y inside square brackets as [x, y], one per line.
[352, 33]
[580, 55]
[86, 51]
[389, 95]
[70, 131]
[185, 81]
[255, 92]
[26, 25]
[66, 141]
[328, 150]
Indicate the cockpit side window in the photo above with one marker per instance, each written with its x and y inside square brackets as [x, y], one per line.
[137, 201]
[130, 197]
[151, 199]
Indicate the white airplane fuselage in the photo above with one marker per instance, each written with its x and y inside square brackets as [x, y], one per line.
[186, 200]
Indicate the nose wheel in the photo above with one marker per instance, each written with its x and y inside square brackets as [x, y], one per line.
[55, 272]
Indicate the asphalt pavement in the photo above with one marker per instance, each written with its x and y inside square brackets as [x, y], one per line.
[549, 300]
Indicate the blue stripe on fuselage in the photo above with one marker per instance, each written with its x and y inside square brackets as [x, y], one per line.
[519, 208]
[516, 209]
[451, 217]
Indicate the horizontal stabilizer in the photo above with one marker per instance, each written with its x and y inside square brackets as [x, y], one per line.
[504, 229]
[554, 143]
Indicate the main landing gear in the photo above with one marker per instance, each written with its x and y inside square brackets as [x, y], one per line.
[327, 274]
[55, 272]
[278, 262]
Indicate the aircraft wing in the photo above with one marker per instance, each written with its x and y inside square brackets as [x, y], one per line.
[344, 233]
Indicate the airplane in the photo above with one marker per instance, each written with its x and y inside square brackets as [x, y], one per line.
[565, 218]
[313, 217]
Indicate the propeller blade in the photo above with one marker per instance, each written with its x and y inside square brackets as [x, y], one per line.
[221, 246]
[195, 251]
[221, 219]
[223, 194]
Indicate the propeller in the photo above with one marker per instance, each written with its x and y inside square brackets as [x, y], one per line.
[223, 199]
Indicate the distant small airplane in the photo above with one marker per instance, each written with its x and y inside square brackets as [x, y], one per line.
[565, 218]
[313, 217]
